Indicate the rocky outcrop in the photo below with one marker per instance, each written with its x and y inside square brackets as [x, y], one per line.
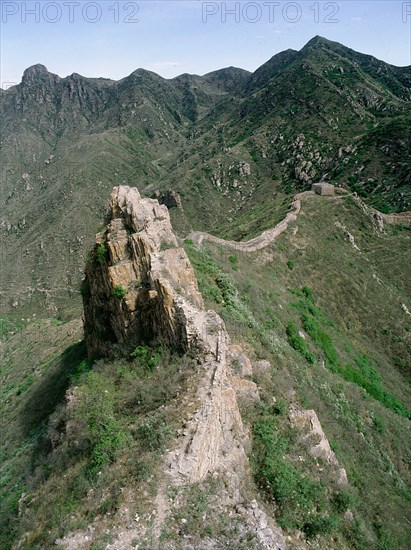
[140, 286]
[139, 283]
[244, 169]
[312, 432]
[170, 198]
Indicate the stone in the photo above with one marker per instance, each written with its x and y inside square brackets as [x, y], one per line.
[162, 302]
[169, 198]
[263, 364]
[307, 421]
[245, 169]
[324, 189]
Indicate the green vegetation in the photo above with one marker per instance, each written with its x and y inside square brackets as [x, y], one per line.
[234, 262]
[362, 372]
[119, 292]
[9, 326]
[78, 438]
[298, 342]
[302, 502]
[352, 314]
[147, 357]
[77, 459]
[79, 371]
[105, 433]
[101, 254]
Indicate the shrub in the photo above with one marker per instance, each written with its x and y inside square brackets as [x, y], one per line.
[108, 438]
[321, 525]
[343, 501]
[101, 255]
[80, 370]
[308, 293]
[321, 339]
[147, 357]
[153, 434]
[298, 343]
[97, 409]
[290, 264]
[119, 292]
[379, 425]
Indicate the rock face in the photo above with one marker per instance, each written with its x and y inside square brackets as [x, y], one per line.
[139, 287]
[139, 284]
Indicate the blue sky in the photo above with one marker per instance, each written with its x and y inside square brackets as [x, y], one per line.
[112, 38]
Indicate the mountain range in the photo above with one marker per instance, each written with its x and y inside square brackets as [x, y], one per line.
[324, 113]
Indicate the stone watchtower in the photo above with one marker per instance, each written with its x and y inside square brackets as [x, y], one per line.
[325, 189]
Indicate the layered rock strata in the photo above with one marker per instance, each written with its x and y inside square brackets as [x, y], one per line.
[139, 284]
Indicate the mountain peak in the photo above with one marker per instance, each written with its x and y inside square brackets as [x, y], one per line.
[38, 73]
[35, 70]
[319, 40]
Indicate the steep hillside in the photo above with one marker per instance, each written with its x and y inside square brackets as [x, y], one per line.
[325, 112]
[285, 417]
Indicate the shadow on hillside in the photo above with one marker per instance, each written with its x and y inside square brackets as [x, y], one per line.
[51, 389]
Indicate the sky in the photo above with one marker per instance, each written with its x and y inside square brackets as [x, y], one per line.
[112, 38]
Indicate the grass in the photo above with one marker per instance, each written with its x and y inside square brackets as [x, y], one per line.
[361, 372]
[351, 315]
[301, 501]
[120, 416]
[101, 254]
[119, 292]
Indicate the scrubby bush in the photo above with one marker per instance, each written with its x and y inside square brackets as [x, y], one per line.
[146, 357]
[295, 494]
[298, 343]
[101, 254]
[119, 292]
